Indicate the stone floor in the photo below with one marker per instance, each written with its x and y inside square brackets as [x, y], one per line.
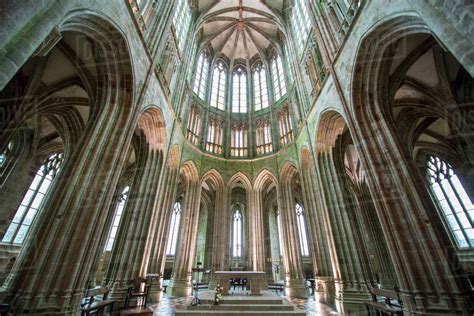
[310, 305]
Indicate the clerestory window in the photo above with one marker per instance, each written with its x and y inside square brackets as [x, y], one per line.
[278, 78]
[33, 200]
[453, 201]
[218, 86]
[260, 87]
[200, 80]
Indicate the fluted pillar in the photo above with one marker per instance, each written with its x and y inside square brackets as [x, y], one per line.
[181, 279]
[155, 251]
[127, 255]
[53, 268]
[219, 246]
[257, 231]
[292, 260]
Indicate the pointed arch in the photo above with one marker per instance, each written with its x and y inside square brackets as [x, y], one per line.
[242, 178]
[152, 123]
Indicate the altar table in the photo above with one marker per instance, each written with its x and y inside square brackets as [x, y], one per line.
[256, 280]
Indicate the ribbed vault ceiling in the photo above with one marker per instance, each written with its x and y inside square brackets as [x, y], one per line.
[239, 29]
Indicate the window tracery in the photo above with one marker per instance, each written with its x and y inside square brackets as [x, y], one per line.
[303, 237]
[174, 229]
[202, 71]
[264, 137]
[194, 125]
[301, 23]
[117, 218]
[237, 234]
[239, 90]
[286, 126]
[279, 85]
[238, 144]
[218, 86]
[260, 87]
[33, 200]
[454, 203]
[214, 136]
[181, 22]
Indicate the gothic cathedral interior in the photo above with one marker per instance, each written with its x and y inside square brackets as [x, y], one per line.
[219, 157]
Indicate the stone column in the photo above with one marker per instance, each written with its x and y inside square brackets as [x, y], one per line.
[53, 268]
[127, 254]
[181, 280]
[257, 231]
[292, 261]
[155, 251]
[219, 235]
[350, 287]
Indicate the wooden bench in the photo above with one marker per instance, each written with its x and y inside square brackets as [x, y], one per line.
[92, 305]
[384, 302]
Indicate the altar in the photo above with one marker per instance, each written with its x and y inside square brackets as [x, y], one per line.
[256, 280]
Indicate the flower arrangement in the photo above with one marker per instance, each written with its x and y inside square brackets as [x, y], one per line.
[217, 294]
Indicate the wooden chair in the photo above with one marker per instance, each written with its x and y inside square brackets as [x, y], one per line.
[391, 305]
[92, 306]
[138, 290]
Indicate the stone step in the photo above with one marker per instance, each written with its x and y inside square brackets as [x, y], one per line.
[249, 313]
[141, 311]
[244, 301]
[241, 307]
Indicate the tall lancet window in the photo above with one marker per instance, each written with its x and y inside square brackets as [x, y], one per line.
[279, 85]
[117, 217]
[174, 229]
[181, 21]
[260, 87]
[202, 70]
[218, 86]
[239, 91]
[453, 201]
[301, 23]
[302, 230]
[280, 236]
[29, 207]
[237, 234]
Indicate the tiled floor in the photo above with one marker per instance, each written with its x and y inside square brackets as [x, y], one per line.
[311, 305]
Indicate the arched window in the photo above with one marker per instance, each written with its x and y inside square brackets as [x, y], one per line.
[260, 87]
[202, 70]
[194, 125]
[29, 207]
[218, 86]
[214, 136]
[239, 91]
[117, 217]
[280, 236]
[263, 137]
[279, 85]
[181, 21]
[238, 142]
[301, 23]
[286, 127]
[237, 234]
[174, 229]
[302, 230]
[455, 204]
